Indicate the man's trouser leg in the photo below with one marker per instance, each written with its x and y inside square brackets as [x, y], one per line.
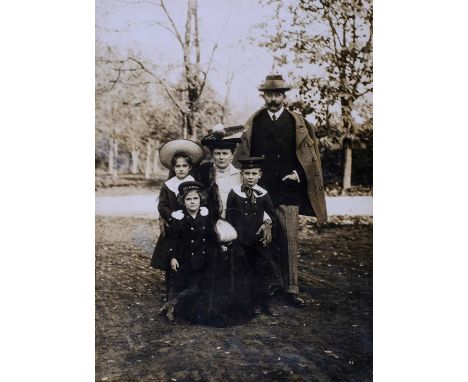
[288, 218]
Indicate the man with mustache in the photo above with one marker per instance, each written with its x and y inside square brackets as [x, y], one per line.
[292, 172]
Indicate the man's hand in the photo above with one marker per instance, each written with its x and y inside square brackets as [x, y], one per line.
[265, 231]
[292, 176]
[174, 264]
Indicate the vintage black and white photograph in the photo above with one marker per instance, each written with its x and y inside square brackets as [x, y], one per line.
[233, 190]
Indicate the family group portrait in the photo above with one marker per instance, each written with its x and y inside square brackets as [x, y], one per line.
[233, 190]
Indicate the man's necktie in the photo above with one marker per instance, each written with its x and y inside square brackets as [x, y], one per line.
[273, 117]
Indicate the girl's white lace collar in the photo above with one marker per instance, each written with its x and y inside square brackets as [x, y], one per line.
[174, 183]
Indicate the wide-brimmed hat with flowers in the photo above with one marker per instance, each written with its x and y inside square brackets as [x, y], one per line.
[222, 137]
[192, 149]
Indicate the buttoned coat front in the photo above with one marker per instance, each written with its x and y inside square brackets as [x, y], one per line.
[167, 204]
[308, 154]
[246, 217]
[190, 240]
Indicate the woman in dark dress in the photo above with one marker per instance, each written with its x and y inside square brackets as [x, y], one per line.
[225, 294]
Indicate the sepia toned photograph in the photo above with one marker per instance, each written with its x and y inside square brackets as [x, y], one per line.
[233, 190]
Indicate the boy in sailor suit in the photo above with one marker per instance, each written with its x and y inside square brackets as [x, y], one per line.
[246, 207]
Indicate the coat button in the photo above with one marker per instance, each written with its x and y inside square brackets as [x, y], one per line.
[203, 239]
[279, 156]
[192, 241]
[320, 188]
[316, 173]
[246, 213]
[191, 228]
[192, 253]
[313, 159]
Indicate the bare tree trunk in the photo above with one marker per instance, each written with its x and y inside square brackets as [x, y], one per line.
[185, 127]
[115, 174]
[113, 153]
[134, 168]
[225, 105]
[157, 167]
[110, 167]
[347, 151]
[148, 161]
[193, 135]
[348, 162]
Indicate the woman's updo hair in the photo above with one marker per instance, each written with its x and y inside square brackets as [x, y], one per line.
[178, 155]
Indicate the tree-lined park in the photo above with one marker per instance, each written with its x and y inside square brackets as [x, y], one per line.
[180, 79]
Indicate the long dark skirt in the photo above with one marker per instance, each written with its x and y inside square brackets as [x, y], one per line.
[225, 294]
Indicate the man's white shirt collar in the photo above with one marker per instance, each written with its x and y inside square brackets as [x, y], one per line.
[277, 114]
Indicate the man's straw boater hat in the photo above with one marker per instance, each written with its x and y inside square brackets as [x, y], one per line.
[274, 82]
[169, 149]
[222, 137]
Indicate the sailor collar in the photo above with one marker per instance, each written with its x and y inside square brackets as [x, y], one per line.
[174, 183]
[237, 190]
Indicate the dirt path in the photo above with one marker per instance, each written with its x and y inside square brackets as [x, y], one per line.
[329, 340]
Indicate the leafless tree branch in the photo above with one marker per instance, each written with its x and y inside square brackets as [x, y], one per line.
[176, 32]
[162, 83]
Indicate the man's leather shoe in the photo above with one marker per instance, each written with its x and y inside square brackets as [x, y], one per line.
[294, 300]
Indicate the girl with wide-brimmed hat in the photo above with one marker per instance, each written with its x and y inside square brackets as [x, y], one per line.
[179, 156]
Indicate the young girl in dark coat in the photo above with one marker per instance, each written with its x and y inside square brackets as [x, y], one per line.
[179, 156]
[191, 241]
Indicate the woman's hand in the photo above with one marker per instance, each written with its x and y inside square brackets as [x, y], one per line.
[174, 264]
